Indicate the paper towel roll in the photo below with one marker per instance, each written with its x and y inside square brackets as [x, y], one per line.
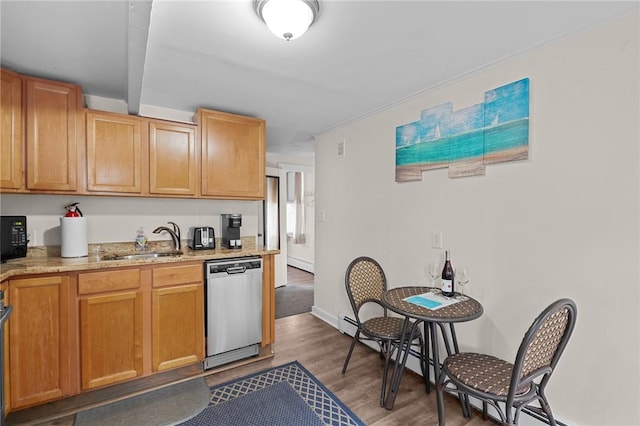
[73, 239]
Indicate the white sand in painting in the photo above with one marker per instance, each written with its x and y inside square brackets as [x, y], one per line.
[413, 172]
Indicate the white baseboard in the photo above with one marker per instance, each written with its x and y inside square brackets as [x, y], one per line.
[301, 264]
[345, 324]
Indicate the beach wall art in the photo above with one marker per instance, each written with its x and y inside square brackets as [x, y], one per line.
[466, 140]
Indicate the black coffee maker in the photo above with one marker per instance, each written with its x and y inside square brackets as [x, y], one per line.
[231, 224]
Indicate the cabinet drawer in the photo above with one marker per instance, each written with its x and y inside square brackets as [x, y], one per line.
[99, 282]
[175, 275]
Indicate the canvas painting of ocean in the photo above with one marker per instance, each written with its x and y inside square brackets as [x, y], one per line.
[466, 140]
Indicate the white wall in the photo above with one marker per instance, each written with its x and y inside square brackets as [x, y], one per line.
[116, 219]
[278, 165]
[303, 255]
[564, 223]
[299, 255]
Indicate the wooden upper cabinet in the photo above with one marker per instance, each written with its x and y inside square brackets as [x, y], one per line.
[172, 158]
[233, 155]
[114, 153]
[11, 138]
[52, 111]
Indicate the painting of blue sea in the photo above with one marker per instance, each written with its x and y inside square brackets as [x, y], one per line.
[466, 140]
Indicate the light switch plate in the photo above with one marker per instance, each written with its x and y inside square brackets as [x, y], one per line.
[341, 149]
[436, 239]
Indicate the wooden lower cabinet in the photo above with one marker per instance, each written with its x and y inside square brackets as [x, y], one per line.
[137, 321]
[111, 327]
[40, 332]
[79, 331]
[177, 316]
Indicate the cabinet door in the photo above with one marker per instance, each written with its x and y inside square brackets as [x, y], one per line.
[114, 153]
[111, 326]
[178, 316]
[233, 155]
[39, 340]
[110, 338]
[11, 141]
[51, 121]
[178, 326]
[172, 159]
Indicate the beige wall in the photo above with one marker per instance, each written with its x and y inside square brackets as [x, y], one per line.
[564, 223]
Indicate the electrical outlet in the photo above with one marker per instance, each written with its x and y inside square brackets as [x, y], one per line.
[436, 239]
[321, 216]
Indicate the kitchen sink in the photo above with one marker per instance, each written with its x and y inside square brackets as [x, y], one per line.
[146, 255]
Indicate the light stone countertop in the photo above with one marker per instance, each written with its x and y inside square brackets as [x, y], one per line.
[46, 259]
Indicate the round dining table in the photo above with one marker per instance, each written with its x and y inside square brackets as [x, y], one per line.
[454, 310]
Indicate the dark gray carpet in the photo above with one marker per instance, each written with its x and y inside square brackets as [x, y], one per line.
[167, 406]
[279, 405]
[293, 299]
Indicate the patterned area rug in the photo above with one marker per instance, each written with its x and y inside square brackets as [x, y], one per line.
[279, 396]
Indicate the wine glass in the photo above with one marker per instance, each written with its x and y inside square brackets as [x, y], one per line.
[434, 271]
[462, 278]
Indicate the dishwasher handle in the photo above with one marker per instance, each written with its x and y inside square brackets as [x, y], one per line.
[237, 270]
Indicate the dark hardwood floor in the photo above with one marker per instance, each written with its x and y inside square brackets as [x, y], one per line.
[322, 350]
[298, 276]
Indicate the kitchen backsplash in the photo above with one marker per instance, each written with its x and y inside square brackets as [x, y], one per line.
[116, 219]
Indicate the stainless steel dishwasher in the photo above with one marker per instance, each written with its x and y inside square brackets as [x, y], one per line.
[233, 309]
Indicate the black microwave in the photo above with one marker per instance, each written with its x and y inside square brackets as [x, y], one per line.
[13, 237]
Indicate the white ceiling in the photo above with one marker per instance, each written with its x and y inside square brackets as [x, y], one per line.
[358, 57]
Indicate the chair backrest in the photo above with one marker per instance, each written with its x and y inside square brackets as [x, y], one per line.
[544, 342]
[365, 282]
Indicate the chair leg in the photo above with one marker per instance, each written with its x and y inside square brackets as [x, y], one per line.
[440, 397]
[387, 356]
[546, 407]
[353, 344]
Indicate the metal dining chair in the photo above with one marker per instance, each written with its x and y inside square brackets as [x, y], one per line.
[365, 283]
[516, 385]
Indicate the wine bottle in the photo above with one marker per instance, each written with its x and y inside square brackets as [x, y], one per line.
[447, 277]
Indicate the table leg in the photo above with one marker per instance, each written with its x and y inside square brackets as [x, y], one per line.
[436, 371]
[425, 359]
[398, 369]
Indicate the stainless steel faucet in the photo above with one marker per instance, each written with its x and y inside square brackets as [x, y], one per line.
[175, 234]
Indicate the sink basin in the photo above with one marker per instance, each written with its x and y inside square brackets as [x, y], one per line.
[147, 255]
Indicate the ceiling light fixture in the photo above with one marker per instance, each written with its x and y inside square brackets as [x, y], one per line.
[287, 19]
